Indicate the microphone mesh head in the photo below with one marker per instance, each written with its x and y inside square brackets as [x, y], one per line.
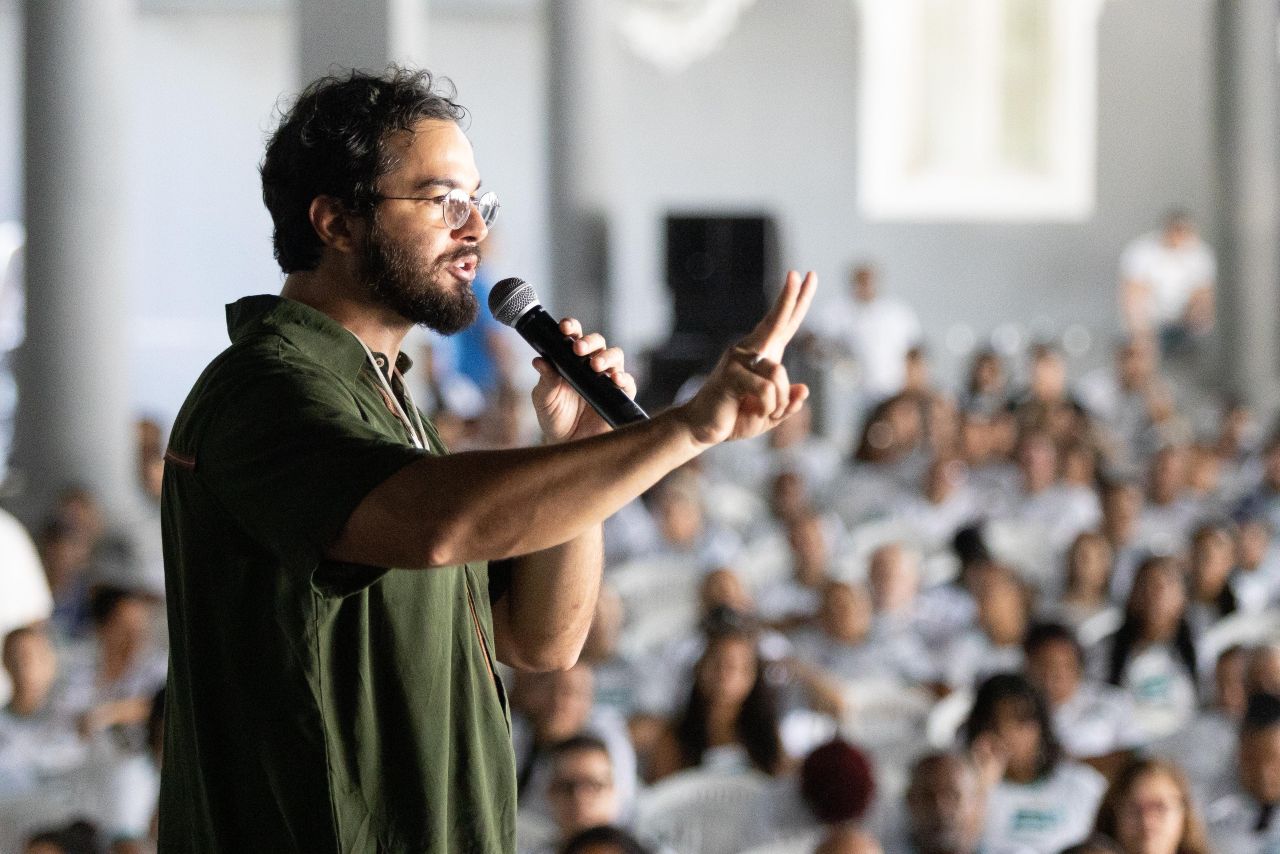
[511, 298]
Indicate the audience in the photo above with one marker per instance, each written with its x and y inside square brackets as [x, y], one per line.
[1062, 555]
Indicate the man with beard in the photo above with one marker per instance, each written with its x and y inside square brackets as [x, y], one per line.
[341, 588]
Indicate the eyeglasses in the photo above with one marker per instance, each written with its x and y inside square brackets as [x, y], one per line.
[566, 787]
[456, 206]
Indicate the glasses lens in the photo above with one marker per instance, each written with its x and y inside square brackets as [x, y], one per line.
[457, 208]
[488, 207]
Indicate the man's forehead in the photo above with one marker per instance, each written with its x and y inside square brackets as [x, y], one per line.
[434, 148]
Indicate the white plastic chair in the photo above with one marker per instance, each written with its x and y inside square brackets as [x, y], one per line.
[705, 812]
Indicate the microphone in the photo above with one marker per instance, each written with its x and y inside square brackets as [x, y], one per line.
[513, 303]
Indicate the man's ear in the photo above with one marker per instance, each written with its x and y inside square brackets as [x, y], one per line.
[336, 226]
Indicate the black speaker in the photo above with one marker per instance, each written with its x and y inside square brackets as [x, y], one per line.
[717, 267]
[716, 271]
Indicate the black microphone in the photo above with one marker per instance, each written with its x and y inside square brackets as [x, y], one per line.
[512, 302]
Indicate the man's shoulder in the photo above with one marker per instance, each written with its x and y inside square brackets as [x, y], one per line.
[258, 371]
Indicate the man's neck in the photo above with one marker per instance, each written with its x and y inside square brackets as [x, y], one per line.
[380, 328]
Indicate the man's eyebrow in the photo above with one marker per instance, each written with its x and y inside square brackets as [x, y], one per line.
[432, 181]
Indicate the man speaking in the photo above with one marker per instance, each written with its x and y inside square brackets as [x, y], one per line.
[341, 588]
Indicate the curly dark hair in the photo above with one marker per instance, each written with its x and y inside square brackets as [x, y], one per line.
[332, 142]
[757, 723]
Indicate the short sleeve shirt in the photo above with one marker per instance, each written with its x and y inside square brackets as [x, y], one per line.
[315, 706]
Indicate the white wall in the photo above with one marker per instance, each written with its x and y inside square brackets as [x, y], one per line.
[768, 122]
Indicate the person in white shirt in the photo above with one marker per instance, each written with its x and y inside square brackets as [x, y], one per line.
[1059, 511]
[995, 643]
[1037, 798]
[1092, 720]
[38, 739]
[948, 503]
[947, 809]
[1171, 510]
[1085, 604]
[557, 706]
[795, 600]
[878, 330]
[1148, 809]
[1242, 809]
[1204, 747]
[1167, 282]
[580, 791]
[1152, 656]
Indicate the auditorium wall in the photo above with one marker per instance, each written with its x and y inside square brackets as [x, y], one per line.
[768, 122]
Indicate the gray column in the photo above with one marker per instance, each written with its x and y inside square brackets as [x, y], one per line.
[1248, 144]
[73, 420]
[578, 123]
[338, 35]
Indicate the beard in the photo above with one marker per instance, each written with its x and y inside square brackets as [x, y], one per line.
[399, 278]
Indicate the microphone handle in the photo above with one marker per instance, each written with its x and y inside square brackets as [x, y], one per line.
[542, 332]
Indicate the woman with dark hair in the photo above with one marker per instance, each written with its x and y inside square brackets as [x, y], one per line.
[1037, 798]
[986, 390]
[1153, 654]
[1149, 810]
[1213, 558]
[1085, 595]
[731, 717]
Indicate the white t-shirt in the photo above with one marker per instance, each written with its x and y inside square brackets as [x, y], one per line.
[1205, 748]
[1172, 274]
[1097, 720]
[1049, 814]
[1162, 691]
[878, 333]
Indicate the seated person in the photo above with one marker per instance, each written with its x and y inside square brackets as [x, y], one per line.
[552, 707]
[1148, 809]
[683, 527]
[38, 737]
[946, 504]
[995, 644]
[811, 539]
[616, 674]
[1152, 656]
[1241, 807]
[113, 683]
[1086, 594]
[1091, 719]
[946, 809]
[1037, 798]
[580, 791]
[1204, 747]
[730, 720]
[1212, 594]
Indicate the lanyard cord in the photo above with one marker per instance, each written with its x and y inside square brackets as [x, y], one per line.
[419, 435]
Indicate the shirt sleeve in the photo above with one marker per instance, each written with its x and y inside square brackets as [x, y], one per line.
[288, 455]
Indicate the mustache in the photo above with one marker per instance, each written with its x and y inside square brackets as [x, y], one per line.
[458, 254]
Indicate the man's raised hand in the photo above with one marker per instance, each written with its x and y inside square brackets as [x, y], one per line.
[749, 392]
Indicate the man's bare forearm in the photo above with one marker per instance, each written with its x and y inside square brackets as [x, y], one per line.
[542, 621]
[489, 505]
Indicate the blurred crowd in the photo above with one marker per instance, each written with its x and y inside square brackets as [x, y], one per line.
[1036, 613]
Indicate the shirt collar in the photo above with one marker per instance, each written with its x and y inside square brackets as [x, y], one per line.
[313, 332]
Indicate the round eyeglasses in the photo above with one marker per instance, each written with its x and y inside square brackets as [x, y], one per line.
[456, 205]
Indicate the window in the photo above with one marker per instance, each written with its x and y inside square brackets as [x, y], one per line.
[978, 109]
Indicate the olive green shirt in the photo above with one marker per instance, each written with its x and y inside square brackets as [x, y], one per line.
[314, 706]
